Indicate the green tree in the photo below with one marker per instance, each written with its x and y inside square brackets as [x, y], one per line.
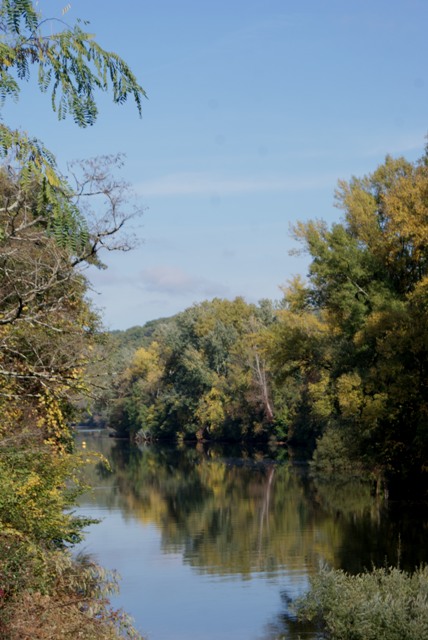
[203, 376]
[349, 351]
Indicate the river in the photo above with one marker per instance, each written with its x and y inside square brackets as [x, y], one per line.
[213, 544]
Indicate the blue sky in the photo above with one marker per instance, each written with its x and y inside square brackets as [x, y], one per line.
[255, 109]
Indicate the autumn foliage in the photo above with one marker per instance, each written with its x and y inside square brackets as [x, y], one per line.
[338, 366]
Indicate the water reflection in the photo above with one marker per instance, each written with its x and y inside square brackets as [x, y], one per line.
[245, 519]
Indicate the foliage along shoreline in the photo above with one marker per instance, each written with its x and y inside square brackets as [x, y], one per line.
[339, 365]
[385, 603]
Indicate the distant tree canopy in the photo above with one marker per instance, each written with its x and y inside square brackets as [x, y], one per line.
[200, 375]
[341, 365]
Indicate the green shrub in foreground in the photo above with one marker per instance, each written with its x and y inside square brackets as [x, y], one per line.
[384, 604]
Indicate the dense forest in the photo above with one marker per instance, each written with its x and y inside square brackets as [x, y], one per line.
[339, 366]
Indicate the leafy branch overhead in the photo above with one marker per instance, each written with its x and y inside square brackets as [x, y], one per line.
[70, 63]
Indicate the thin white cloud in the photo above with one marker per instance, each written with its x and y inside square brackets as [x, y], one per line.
[174, 281]
[107, 278]
[201, 183]
[400, 146]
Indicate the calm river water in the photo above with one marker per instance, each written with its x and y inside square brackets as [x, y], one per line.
[214, 544]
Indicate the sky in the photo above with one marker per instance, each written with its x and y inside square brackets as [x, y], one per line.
[255, 110]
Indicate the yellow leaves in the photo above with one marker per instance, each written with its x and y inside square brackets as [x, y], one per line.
[321, 396]
[295, 294]
[350, 394]
[294, 339]
[373, 328]
[12, 408]
[52, 177]
[51, 420]
[304, 322]
[31, 484]
[418, 298]
[361, 211]
[355, 401]
[7, 55]
[384, 330]
[375, 407]
[407, 207]
[230, 313]
[308, 231]
[146, 364]
[210, 411]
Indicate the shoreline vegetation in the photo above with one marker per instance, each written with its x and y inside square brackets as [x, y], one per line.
[338, 366]
[383, 604]
[49, 232]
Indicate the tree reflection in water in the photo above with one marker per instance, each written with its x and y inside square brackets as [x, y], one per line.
[243, 513]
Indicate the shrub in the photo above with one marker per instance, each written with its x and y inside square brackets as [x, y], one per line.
[75, 606]
[384, 604]
[45, 593]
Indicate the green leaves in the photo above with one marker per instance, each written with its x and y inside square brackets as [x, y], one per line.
[8, 86]
[15, 13]
[72, 66]
[203, 373]
[37, 175]
[365, 373]
[25, 151]
[70, 63]
[384, 604]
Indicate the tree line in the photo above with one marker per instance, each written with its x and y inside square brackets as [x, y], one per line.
[338, 366]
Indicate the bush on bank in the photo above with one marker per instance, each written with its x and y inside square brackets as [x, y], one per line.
[384, 604]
